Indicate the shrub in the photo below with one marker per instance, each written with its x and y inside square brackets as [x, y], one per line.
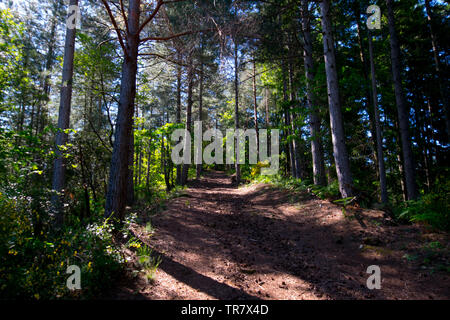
[330, 191]
[256, 170]
[432, 209]
[33, 266]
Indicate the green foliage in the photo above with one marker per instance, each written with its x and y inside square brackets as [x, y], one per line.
[410, 257]
[148, 262]
[432, 209]
[149, 228]
[330, 191]
[281, 182]
[155, 148]
[256, 170]
[33, 266]
[344, 203]
[432, 256]
[11, 74]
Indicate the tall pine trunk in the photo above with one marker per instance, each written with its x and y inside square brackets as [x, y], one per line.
[255, 106]
[266, 93]
[185, 171]
[116, 196]
[287, 123]
[178, 115]
[316, 145]
[365, 68]
[295, 145]
[444, 96]
[337, 128]
[200, 107]
[236, 108]
[59, 170]
[50, 61]
[402, 109]
[379, 139]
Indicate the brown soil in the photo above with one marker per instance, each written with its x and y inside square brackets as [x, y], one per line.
[257, 242]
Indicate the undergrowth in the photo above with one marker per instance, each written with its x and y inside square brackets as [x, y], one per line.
[432, 209]
[33, 265]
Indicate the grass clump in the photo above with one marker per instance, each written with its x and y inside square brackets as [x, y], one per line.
[148, 262]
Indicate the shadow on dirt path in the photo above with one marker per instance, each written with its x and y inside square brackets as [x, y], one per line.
[256, 242]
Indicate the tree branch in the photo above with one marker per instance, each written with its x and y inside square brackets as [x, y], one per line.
[166, 58]
[173, 36]
[155, 12]
[113, 20]
[150, 18]
[125, 19]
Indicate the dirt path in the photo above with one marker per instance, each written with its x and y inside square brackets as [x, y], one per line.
[220, 242]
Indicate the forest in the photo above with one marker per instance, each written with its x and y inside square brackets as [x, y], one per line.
[346, 99]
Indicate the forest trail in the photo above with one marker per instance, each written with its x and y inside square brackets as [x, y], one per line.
[257, 242]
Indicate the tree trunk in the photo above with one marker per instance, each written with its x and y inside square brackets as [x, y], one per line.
[139, 158]
[266, 91]
[287, 124]
[200, 108]
[420, 134]
[316, 145]
[442, 90]
[164, 164]
[131, 164]
[59, 170]
[255, 107]
[236, 109]
[118, 178]
[295, 145]
[149, 164]
[369, 98]
[402, 109]
[50, 59]
[379, 139]
[185, 171]
[402, 175]
[337, 128]
[178, 115]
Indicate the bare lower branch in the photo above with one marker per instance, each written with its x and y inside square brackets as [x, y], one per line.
[125, 19]
[113, 20]
[173, 36]
[150, 18]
